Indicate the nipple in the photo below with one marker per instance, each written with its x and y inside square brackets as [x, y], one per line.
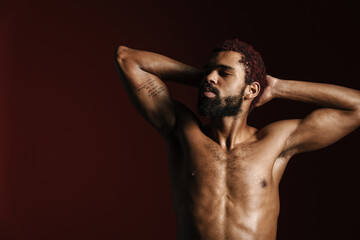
[263, 183]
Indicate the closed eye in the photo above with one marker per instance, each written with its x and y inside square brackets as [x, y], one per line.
[224, 73]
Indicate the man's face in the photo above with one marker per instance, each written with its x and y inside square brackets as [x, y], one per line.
[222, 87]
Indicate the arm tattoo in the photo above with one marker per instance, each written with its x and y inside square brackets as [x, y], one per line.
[151, 87]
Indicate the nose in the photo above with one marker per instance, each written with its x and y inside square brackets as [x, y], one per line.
[211, 77]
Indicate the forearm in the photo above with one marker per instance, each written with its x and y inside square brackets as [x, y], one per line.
[165, 68]
[326, 95]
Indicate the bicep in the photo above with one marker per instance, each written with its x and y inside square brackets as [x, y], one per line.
[320, 129]
[148, 93]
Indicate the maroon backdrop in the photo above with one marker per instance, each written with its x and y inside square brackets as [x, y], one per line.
[78, 162]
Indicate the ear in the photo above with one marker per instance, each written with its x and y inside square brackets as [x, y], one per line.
[252, 90]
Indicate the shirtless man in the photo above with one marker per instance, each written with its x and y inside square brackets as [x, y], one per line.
[225, 176]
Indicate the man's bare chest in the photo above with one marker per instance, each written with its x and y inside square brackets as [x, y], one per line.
[201, 162]
[244, 166]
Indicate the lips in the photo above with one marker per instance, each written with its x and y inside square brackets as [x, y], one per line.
[209, 92]
[208, 89]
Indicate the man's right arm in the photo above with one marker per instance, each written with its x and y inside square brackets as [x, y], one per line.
[142, 74]
[339, 116]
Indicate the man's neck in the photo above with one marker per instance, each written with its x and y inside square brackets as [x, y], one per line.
[229, 131]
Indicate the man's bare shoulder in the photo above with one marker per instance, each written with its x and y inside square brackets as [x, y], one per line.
[185, 117]
[278, 135]
[188, 126]
[277, 129]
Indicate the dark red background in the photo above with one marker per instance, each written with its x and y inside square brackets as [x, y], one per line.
[78, 162]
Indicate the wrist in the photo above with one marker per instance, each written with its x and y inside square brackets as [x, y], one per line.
[273, 86]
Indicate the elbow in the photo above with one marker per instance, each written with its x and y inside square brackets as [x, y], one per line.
[121, 53]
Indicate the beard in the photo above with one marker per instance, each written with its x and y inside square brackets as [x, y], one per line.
[217, 107]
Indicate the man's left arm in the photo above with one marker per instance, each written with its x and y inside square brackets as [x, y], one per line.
[323, 126]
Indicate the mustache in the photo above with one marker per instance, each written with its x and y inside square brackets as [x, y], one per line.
[208, 87]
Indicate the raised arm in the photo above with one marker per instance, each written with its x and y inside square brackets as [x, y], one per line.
[142, 74]
[324, 126]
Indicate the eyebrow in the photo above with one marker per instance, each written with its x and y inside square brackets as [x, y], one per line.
[219, 66]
